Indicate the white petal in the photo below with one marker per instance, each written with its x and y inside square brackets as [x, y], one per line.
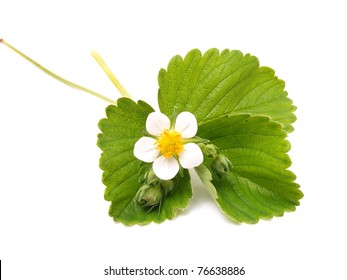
[156, 123]
[145, 149]
[186, 124]
[165, 168]
[191, 156]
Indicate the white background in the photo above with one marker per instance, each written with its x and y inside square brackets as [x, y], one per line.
[53, 218]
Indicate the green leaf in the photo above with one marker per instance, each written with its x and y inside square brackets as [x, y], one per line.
[124, 125]
[259, 184]
[120, 131]
[215, 84]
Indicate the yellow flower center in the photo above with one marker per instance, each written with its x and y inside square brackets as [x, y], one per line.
[170, 143]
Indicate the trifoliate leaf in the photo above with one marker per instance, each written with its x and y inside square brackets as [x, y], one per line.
[243, 113]
[259, 184]
[124, 125]
[215, 84]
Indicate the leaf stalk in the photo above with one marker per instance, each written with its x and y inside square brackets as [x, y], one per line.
[109, 74]
[57, 77]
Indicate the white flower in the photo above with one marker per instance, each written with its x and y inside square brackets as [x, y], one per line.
[170, 145]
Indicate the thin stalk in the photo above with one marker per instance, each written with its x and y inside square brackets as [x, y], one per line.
[55, 76]
[110, 75]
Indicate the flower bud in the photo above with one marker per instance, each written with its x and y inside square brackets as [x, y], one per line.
[209, 150]
[149, 196]
[167, 186]
[220, 165]
[151, 178]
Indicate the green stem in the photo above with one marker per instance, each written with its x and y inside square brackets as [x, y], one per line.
[55, 76]
[110, 75]
[195, 139]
